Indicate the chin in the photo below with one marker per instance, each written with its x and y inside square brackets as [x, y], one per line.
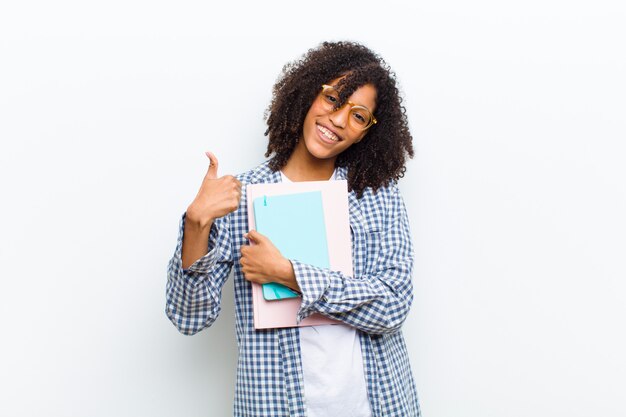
[318, 150]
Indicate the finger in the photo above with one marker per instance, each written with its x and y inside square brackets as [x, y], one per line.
[250, 236]
[252, 276]
[256, 236]
[232, 180]
[213, 164]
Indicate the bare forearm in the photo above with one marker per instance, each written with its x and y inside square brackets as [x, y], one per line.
[195, 241]
[287, 276]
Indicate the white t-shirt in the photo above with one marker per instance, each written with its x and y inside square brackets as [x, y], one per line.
[332, 364]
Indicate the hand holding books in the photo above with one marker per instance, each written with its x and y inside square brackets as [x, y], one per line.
[262, 262]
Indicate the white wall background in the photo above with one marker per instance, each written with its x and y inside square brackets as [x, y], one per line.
[516, 195]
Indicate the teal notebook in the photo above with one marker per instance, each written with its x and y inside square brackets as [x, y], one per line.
[295, 225]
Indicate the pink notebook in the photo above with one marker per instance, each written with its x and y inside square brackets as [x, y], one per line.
[282, 313]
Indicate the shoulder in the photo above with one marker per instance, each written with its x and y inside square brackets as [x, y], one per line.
[256, 174]
[379, 207]
[381, 195]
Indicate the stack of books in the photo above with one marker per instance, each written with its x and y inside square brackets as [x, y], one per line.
[307, 221]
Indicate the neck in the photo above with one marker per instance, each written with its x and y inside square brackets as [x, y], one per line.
[302, 166]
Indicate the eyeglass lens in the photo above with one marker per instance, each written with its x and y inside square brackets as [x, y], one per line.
[360, 117]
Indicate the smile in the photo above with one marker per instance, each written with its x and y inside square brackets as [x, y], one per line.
[327, 134]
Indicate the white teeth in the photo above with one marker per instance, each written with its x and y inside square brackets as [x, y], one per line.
[328, 134]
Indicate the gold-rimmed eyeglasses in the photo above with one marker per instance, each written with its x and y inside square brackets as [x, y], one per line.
[360, 116]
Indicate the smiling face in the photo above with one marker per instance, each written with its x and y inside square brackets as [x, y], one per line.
[325, 133]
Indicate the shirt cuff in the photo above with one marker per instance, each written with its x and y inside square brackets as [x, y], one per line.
[313, 282]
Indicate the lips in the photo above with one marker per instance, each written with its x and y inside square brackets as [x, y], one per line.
[327, 135]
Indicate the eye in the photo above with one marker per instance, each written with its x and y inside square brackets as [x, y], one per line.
[330, 98]
[359, 117]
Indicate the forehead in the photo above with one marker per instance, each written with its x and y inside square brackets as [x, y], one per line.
[363, 96]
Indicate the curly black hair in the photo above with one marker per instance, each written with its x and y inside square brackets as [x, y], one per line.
[381, 155]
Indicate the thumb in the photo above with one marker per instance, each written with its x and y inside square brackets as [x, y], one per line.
[212, 172]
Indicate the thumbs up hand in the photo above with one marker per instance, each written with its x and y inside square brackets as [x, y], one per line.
[217, 196]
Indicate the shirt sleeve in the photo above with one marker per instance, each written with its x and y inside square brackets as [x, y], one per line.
[377, 302]
[193, 295]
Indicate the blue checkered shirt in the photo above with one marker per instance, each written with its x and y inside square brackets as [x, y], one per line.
[376, 301]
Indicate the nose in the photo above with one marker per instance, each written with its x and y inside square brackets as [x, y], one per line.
[339, 118]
